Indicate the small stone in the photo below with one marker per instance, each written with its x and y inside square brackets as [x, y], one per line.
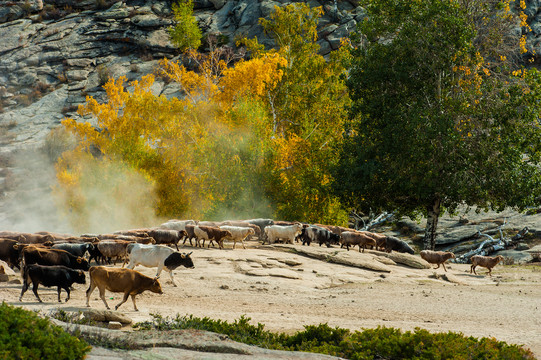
[114, 325]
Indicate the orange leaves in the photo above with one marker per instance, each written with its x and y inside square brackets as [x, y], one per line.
[253, 78]
[198, 87]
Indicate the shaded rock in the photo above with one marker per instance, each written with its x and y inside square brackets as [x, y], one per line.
[6, 269]
[518, 257]
[454, 235]
[338, 256]
[106, 316]
[413, 261]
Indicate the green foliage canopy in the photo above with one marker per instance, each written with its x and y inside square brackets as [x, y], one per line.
[432, 125]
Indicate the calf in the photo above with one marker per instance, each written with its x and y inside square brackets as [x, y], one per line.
[57, 275]
[127, 281]
[40, 256]
[210, 233]
[158, 256]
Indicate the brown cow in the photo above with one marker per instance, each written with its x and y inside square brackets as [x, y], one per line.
[127, 281]
[27, 238]
[380, 239]
[113, 249]
[190, 234]
[356, 238]
[210, 233]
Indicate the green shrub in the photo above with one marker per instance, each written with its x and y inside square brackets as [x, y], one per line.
[380, 343]
[24, 335]
[186, 33]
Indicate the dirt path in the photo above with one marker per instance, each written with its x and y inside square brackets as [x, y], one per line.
[285, 291]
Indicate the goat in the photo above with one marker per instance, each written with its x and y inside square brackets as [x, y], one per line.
[437, 257]
[485, 261]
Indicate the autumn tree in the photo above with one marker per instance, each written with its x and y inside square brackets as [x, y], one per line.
[201, 152]
[435, 124]
[308, 110]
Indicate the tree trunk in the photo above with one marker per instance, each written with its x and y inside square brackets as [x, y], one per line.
[433, 215]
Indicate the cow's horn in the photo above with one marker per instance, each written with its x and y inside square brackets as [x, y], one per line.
[188, 254]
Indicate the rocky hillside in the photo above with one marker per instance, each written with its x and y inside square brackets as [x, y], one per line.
[54, 53]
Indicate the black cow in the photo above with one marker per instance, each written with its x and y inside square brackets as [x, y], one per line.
[319, 235]
[74, 249]
[392, 243]
[60, 276]
[40, 256]
[96, 254]
[262, 223]
[10, 252]
[166, 237]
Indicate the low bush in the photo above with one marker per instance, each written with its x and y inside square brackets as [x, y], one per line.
[24, 335]
[379, 343]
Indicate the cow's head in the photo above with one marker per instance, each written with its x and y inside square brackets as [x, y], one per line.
[82, 263]
[80, 277]
[188, 262]
[156, 287]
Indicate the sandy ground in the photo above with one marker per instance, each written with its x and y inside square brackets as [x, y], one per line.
[285, 291]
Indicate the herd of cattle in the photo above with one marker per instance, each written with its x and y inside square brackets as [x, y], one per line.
[59, 260]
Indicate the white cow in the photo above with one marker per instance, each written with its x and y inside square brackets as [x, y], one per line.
[159, 256]
[286, 233]
[176, 224]
[238, 233]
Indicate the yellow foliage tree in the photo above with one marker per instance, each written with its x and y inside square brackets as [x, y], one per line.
[201, 152]
[308, 108]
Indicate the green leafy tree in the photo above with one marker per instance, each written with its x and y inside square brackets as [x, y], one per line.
[434, 124]
[186, 33]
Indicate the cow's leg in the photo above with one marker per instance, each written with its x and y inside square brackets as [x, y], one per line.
[123, 301]
[443, 267]
[23, 290]
[35, 290]
[58, 290]
[91, 288]
[176, 245]
[134, 304]
[171, 276]
[102, 296]
[68, 291]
